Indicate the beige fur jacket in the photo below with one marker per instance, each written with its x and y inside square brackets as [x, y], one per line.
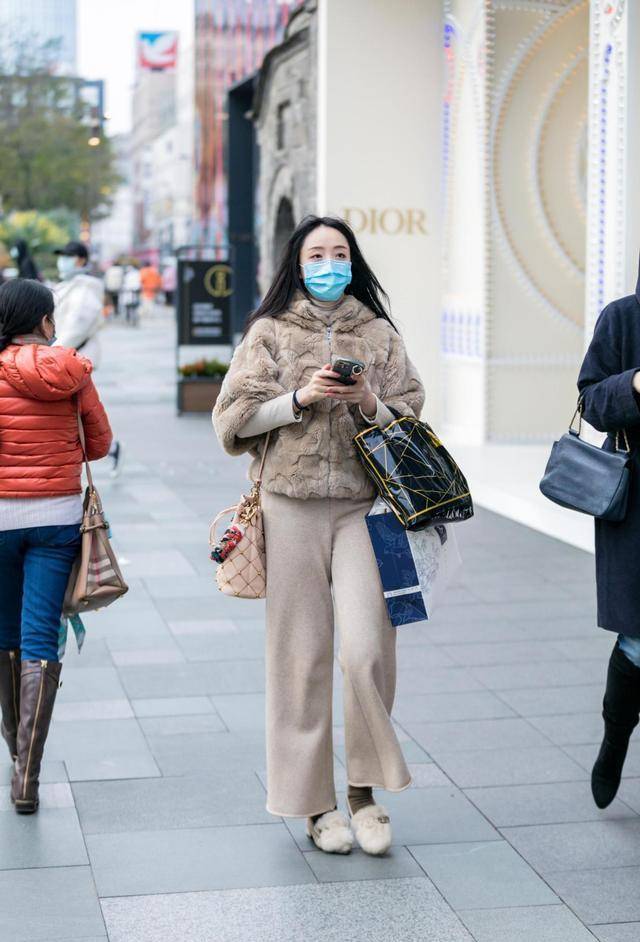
[315, 457]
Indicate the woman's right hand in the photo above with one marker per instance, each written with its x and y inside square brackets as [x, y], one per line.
[316, 388]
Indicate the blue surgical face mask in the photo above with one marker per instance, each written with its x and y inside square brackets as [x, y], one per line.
[66, 264]
[326, 280]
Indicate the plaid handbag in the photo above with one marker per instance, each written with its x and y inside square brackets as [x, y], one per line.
[414, 473]
[95, 580]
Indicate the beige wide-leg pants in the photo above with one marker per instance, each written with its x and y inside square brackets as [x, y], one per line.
[321, 569]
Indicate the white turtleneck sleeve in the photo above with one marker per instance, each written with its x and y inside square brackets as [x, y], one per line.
[272, 414]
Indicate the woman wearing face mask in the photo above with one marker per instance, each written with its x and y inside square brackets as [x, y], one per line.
[41, 389]
[79, 302]
[324, 303]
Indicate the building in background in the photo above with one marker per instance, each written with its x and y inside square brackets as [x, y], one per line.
[112, 236]
[171, 191]
[154, 114]
[232, 38]
[285, 110]
[180, 133]
[39, 22]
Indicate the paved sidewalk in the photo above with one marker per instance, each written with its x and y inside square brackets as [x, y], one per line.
[152, 826]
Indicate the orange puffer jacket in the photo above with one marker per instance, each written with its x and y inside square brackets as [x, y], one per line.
[40, 452]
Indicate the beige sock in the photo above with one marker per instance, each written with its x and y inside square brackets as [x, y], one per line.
[315, 817]
[359, 797]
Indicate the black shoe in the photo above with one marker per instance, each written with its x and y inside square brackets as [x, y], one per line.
[621, 710]
[607, 771]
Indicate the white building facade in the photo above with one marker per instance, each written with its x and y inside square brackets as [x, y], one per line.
[112, 236]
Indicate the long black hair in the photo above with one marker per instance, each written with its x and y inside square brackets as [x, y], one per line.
[288, 280]
[23, 304]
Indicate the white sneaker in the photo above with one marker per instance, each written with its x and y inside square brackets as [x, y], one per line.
[331, 833]
[372, 828]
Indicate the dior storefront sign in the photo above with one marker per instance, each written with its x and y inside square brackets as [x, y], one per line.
[388, 221]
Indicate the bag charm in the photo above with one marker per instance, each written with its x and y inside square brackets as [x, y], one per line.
[229, 540]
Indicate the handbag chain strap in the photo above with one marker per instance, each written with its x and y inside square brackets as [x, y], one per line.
[627, 446]
[580, 410]
[251, 503]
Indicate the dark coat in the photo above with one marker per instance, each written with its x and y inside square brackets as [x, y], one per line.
[26, 265]
[611, 404]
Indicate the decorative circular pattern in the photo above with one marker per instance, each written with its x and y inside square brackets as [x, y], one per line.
[533, 228]
[549, 212]
[466, 55]
[579, 163]
[607, 156]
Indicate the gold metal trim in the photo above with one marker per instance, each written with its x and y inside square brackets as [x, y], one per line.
[382, 480]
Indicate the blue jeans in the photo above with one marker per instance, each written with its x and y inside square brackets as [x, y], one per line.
[630, 647]
[35, 563]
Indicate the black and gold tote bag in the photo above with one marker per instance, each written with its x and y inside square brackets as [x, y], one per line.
[414, 473]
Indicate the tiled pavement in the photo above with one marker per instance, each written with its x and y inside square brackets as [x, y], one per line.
[153, 827]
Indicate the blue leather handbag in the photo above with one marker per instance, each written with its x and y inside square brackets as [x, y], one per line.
[586, 478]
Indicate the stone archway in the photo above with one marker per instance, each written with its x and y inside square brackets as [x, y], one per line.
[284, 225]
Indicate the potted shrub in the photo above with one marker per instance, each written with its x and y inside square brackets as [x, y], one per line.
[199, 384]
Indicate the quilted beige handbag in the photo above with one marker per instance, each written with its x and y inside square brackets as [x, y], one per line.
[95, 580]
[244, 572]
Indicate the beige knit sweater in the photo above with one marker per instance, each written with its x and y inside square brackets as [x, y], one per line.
[315, 457]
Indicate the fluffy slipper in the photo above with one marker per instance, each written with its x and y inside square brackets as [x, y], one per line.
[331, 833]
[372, 828]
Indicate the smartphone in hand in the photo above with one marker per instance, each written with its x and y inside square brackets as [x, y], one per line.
[348, 368]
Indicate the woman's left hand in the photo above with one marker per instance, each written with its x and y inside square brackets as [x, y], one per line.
[360, 394]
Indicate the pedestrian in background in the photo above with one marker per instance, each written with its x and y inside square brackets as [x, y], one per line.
[324, 302]
[169, 279]
[113, 278]
[79, 302]
[23, 261]
[79, 314]
[41, 390]
[609, 385]
[131, 294]
[150, 284]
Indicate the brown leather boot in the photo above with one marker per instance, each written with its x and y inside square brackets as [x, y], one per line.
[10, 698]
[39, 682]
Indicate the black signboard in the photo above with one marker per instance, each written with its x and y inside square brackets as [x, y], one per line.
[204, 302]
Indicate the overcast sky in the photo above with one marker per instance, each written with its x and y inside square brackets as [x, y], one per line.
[106, 44]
